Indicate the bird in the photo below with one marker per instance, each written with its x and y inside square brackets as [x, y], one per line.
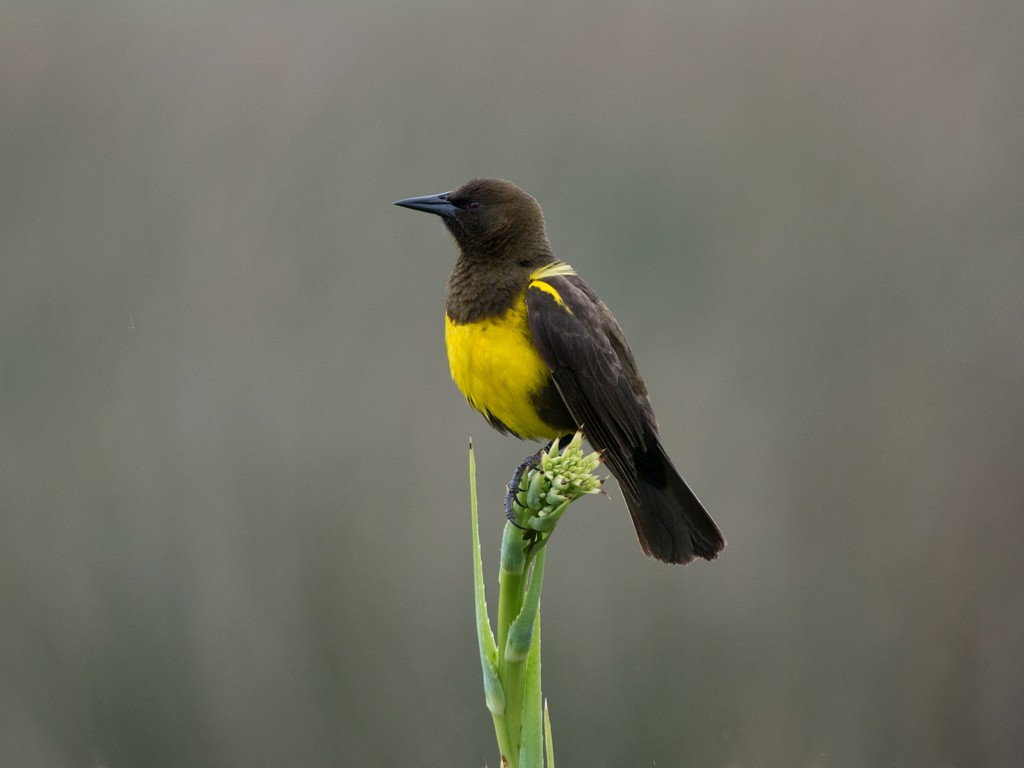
[535, 350]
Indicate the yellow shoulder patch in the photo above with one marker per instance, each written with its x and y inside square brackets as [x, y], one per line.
[540, 285]
[555, 269]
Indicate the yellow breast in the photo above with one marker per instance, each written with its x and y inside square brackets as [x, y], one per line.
[495, 365]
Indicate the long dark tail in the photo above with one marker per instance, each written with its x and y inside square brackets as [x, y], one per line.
[670, 521]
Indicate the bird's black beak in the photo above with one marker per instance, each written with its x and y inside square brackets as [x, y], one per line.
[437, 204]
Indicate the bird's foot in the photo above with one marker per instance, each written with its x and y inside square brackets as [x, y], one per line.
[530, 462]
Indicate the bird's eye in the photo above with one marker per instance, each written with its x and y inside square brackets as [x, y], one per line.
[474, 206]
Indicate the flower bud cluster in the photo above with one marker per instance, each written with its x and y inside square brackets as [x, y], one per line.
[559, 479]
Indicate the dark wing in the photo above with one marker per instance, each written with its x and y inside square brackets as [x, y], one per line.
[591, 365]
[594, 371]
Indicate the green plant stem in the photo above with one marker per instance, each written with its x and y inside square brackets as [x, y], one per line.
[549, 746]
[511, 579]
[531, 749]
[494, 694]
[511, 664]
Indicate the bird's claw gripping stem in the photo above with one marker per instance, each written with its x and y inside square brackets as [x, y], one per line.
[530, 462]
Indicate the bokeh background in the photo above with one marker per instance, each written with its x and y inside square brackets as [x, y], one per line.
[233, 493]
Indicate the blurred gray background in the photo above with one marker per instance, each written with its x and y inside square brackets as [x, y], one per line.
[234, 524]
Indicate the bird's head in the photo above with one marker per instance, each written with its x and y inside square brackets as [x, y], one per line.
[487, 217]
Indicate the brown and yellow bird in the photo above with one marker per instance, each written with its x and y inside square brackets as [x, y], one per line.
[540, 355]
